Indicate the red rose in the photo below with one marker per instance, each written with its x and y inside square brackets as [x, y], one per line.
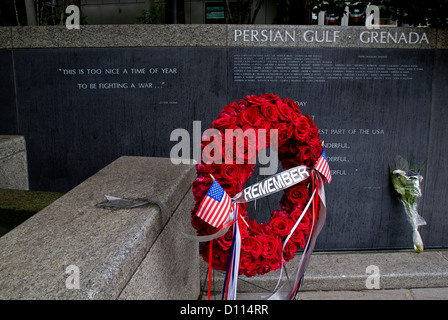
[270, 96]
[274, 262]
[284, 135]
[229, 187]
[201, 186]
[312, 137]
[203, 227]
[245, 148]
[257, 229]
[297, 194]
[304, 155]
[283, 110]
[290, 251]
[304, 223]
[282, 226]
[225, 122]
[294, 118]
[272, 247]
[251, 117]
[253, 100]
[225, 242]
[230, 110]
[315, 151]
[298, 238]
[231, 172]
[265, 268]
[252, 245]
[287, 204]
[279, 214]
[293, 106]
[219, 257]
[205, 170]
[209, 146]
[242, 104]
[290, 163]
[249, 265]
[301, 129]
[269, 110]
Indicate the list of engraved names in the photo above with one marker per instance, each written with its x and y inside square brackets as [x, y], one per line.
[315, 68]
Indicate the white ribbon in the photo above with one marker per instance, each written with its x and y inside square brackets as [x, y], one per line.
[273, 184]
[280, 181]
[287, 291]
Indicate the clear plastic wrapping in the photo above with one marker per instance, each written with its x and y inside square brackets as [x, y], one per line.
[407, 183]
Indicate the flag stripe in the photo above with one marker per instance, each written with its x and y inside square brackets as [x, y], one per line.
[216, 211]
[226, 209]
[215, 207]
[323, 167]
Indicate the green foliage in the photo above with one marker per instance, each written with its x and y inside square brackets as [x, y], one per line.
[153, 15]
[432, 13]
[16, 206]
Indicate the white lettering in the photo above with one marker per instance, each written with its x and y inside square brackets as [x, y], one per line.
[72, 281]
[247, 194]
[73, 20]
[237, 34]
[278, 182]
[373, 280]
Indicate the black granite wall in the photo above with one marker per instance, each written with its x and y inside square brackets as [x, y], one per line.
[81, 108]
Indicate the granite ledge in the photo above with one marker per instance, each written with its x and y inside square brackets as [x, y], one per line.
[195, 35]
[106, 245]
[347, 271]
[116, 36]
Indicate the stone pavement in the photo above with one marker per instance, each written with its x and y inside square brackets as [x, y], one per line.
[389, 294]
[384, 275]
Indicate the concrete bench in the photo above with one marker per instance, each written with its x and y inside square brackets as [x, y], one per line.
[74, 249]
[13, 163]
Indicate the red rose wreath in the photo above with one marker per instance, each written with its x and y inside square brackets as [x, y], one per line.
[298, 144]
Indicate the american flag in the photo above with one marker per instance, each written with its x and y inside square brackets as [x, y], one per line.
[323, 167]
[215, 207]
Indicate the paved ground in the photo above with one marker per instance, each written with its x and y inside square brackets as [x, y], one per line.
[401, 275]
[391, 294]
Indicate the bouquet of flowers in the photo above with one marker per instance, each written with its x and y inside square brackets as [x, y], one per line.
[406, 182]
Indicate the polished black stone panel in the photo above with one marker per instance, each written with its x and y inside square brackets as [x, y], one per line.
[370, 105]
[80, 109]
[8, 109]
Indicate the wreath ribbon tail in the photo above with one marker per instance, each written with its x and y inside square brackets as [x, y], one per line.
[231, 279]
[210, 256]
[222, 230]
[288, 292]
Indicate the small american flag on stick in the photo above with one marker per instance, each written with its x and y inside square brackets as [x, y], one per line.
[323, 167]
[216, 206]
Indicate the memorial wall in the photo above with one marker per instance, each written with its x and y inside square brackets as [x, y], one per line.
[82, 98]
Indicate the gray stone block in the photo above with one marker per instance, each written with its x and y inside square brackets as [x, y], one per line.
[5, 38]
[106, 246]
[13, 163]
[347, 271]
[105, 36]
[170, 270]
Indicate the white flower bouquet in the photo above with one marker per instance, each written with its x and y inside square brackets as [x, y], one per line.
[407, 183]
